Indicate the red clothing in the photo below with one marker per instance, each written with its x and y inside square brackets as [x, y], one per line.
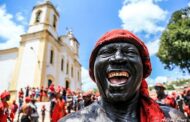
[170, 101]
[51, 87]
[150, 111]
[41, 95]
[4, 111]
[14, 108]
[58, 110]
[20, 94]
[187, 110]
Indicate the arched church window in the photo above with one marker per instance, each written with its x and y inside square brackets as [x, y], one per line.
[78, 75]
[72, 71]
[54, 21]
[49, 82]
[67, 71]
[62, 64]
[38, 16]
[51, 56]
[67, 84]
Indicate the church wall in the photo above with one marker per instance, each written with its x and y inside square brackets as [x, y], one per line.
[73, 80]
[7, 65]
[68, 76]
[28, 64]
[35, 29]
[67, 41]
[51, 68]
[77, 77]
[61, 78]
[54, 69]
[51, 28]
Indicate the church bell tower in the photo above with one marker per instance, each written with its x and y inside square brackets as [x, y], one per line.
[31, 61]
[44, 17]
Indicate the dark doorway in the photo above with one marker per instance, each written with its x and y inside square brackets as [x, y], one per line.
[67, 84]
[49, 82]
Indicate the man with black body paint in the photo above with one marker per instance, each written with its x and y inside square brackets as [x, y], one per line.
[162, 98]
[119, 65]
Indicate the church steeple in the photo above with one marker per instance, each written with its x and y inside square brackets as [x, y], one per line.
[44, 17]
[74, 44]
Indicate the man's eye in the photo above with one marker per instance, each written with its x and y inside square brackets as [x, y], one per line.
[106, 52]
[130, 52]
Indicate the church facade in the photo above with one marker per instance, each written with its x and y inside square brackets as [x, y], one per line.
[43, 57]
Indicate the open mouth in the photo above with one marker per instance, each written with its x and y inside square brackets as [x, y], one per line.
[118, 77]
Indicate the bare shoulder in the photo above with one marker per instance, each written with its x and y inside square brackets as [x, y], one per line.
[73, 117]
[172, 114]
[88, 114]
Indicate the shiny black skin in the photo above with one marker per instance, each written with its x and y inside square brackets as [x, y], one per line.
[160, 92]
[118, 57]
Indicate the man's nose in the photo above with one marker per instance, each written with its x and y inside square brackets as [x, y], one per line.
[118, 57]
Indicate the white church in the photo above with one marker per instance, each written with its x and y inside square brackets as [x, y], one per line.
[42, 57]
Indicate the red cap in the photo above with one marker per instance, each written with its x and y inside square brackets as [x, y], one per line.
[160, 85]
[4, 94]
[120, 35]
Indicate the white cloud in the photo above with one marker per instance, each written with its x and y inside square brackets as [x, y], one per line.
[158, 79]
[19, 16]
[188, 4]
[88, 84]
[167, 79]
[159, 0]
[150, 81]
[40, 2]
[142, 16]
[134, 1]
[153, 47]
[9, 30]
[161, 79]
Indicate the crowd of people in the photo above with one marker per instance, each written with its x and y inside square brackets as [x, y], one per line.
[178, 100]
[62, 102]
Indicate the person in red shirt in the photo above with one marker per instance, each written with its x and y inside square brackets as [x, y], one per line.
[187, 111]
[26, 110]
[14, 108]
[20, 96]
[41, 93]
[57, 108]
[4, 107]
[163, 98]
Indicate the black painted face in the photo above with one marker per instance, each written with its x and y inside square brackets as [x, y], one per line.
[159, 90]
[8, 98]
[118, 71]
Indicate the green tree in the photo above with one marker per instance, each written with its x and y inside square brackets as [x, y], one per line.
[170, 87]
[174, 47]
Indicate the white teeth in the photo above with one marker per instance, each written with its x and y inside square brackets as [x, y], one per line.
[113, 74]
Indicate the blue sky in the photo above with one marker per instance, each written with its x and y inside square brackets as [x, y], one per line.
[89, 19]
